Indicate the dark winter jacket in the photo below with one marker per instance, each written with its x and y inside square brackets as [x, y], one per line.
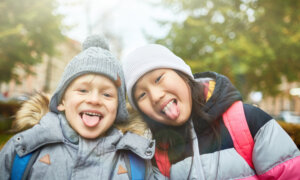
[275, 156]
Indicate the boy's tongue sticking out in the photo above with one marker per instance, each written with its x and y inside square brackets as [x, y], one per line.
[91, 120]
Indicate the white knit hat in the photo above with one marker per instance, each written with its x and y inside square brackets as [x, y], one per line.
[148, 58]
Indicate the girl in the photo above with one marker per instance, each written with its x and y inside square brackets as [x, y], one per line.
[185, 114]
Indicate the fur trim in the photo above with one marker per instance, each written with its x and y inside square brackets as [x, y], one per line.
[135, 124]
[36, 107]
[31, 112]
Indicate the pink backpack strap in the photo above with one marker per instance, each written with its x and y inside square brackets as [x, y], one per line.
[236, 123]
[162, 159]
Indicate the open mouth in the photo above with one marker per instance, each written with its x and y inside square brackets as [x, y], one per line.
[167, 107]
[91, 119]
[171, 110]
[90, 114]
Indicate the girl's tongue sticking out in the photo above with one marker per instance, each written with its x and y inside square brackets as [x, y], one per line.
[171, 110]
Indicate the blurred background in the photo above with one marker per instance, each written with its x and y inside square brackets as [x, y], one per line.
[253, 42]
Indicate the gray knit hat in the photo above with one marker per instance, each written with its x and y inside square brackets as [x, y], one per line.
[94, 58]
[147, 58]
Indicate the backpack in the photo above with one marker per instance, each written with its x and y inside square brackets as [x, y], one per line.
[235, 121]
[22, 165]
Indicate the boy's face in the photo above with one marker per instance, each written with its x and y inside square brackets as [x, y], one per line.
[90, 104]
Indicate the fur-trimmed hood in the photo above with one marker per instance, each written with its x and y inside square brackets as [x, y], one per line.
[49, 138]
[37, 106]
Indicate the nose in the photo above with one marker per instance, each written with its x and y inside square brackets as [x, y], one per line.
[156, 94]
[94, 98]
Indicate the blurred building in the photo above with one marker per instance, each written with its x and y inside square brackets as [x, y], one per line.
[47, 74]
[287, 100]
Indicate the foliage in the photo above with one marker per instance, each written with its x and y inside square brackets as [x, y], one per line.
[253, 42]
[8, 110]
[29, 30]
[4, 138]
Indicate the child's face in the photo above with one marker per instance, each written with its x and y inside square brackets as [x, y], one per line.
[90, 104]
[164, 96]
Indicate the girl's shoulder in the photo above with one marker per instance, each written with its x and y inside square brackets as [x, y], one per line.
[256, 118]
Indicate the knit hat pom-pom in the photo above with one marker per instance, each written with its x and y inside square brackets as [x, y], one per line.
[95, 41]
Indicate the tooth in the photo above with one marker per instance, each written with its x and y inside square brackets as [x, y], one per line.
[92, 114]
[167, 106]
[170, 103]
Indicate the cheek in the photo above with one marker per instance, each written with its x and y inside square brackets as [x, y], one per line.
[69, 98]
[185, 96]
[146, 108]
[142, 106]
[185, 91]
[113, 106]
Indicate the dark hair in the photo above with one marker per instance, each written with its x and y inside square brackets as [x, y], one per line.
[177, 137]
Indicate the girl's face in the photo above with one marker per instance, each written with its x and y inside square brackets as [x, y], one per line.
[90, 104]
[164, 96]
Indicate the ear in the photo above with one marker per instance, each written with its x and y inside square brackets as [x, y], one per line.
[118, 82]
[61, 106]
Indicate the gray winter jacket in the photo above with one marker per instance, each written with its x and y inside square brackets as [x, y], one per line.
[65, 155]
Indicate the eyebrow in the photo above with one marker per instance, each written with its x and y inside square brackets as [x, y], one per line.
[103, 85]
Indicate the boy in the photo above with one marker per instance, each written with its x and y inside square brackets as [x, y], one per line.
[76, 140]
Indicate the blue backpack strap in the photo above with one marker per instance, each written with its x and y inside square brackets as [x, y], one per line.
[19, 166]
[22, 165]
[137, 166]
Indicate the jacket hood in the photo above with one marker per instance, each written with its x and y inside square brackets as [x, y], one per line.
[47, 131]
[32, 111]
[223, 96]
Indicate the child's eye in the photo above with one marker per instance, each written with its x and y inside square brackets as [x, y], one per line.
[83, 90]
[158, 79]
[141, 95]
[107, 95]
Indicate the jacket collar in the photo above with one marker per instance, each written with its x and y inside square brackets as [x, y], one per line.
[224, 94]
[137, 144]
[46, 132]
[69, 133]
[49, 130]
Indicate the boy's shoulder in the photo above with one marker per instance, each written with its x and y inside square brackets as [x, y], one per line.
[48, 130]
[137, 144]
[31, 112]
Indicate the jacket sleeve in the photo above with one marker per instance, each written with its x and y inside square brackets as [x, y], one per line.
[7, 155]
[157, 175]
[275, 155]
